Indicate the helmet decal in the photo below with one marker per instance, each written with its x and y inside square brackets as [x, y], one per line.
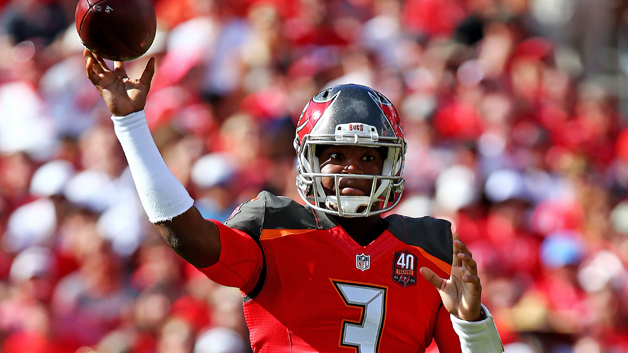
[312, 113]
[301, 123]
[387, 108]
[381, 104]
[379, 98]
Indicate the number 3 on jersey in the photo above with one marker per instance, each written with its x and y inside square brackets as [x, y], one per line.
[363, 335]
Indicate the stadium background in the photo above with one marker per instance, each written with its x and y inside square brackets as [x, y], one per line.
[514, 112]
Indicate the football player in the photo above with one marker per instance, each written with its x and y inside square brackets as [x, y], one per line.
[331, 275]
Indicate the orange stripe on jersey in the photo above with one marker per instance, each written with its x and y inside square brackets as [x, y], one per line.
[438, 262]
[276, 233]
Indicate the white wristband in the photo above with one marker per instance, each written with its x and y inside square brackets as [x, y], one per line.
[478, 336]
[162, 195]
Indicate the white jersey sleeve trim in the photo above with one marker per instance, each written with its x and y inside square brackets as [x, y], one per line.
[478, 336]
[162, 195]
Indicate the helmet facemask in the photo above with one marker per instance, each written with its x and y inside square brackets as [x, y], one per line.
[386, 188]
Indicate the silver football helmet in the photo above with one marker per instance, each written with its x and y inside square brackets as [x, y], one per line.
[350, 115]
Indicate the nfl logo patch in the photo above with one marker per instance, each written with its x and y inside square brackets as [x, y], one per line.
[404, 270]
[363, 262]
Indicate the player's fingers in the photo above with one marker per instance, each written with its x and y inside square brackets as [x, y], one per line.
[432, 277]
[474, 280]
[98, 70]
[101, 62]
[476, 285]
[93, 62]
[456, 260]
[86, 53]
[118, 67]
[462, 247]
[471, 279]
[91, 71]
[468, 262]
[149, 71]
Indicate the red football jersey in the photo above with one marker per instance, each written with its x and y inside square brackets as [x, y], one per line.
[309, 287]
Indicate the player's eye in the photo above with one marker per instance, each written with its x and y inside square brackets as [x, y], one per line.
[336, 155]
[368, 158]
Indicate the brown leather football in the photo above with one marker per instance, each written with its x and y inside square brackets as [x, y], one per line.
[118, 30]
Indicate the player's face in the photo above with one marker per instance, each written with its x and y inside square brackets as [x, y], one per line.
[349, 160]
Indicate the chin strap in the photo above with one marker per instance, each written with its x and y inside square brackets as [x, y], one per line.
[348, 204]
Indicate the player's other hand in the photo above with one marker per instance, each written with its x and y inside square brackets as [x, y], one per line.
[461, 293]
[123, 95]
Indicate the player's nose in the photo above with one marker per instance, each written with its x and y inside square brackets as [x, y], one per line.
[353, 165]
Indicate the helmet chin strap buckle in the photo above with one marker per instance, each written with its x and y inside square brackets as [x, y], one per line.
[356, 132]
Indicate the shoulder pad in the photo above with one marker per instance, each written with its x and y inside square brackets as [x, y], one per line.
[267, 211]
[430, 234]
[249, 216]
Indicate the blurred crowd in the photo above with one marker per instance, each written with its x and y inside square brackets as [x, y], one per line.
[513, 111]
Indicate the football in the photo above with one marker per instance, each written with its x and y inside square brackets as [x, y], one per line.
[118, 30]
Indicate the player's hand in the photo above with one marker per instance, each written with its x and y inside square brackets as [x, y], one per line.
[461, 293]
[123, 95]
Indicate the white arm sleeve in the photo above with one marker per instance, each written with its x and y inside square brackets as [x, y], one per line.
[478, 336]
[162, 195]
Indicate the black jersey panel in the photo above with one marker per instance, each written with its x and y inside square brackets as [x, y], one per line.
[430, 234]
